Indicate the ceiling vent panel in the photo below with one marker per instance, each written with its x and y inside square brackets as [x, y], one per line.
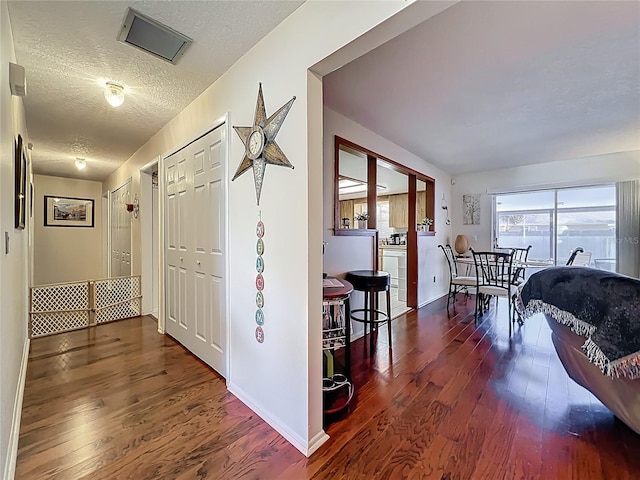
[153, 37]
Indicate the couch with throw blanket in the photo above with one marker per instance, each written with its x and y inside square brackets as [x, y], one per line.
[595, 319]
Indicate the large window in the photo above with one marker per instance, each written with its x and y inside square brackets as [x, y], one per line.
[554, 222]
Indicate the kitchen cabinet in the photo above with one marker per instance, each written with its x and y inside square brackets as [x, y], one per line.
[394, 262]
[346, 211]
[421, 206]
[399, 209]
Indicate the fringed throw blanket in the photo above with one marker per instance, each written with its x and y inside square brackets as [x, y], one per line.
[601, 306]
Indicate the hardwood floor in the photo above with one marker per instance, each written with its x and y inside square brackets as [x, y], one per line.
[452, 401]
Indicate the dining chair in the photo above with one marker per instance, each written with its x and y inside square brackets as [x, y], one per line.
[574, 252]
[520, 256]
[457, 283]
[582, 259]
[608, 264]
[494, 272]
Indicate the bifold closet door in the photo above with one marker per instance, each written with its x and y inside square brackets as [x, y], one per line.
[194, 248]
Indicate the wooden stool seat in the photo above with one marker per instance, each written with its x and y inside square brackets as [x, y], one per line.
[371, 282]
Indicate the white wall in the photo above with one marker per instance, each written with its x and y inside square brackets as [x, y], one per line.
[345, 253]
[14, 265]
[281, 378]
[580, 171]
[66, 254]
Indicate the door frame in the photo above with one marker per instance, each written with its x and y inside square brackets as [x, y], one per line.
[106, 234]
[225, 120]
[146, 235]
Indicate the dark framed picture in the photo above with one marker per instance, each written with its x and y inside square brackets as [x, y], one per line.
[68, 211]
[20, 184]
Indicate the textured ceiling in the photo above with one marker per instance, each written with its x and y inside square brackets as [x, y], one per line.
[486, 85]
[70, 48]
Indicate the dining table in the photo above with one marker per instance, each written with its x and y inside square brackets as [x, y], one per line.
[468, 263]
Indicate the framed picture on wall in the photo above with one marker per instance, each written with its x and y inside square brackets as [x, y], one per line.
[471, 209]
[20, 183]
[68, 211]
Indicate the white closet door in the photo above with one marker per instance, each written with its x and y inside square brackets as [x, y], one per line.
[121, 231]
[194, 248]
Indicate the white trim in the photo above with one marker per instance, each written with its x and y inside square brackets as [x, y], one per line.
[305, 447]
[14, 435]
[146, 236]
[226, 141]
[161, 247]
[549, 186]
[316, 442]
[438, 296]
[106, 235]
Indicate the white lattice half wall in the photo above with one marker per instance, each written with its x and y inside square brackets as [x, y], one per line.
[65, 296]
[117, 298]
[48, 323]
[58, 308]
[69, 306]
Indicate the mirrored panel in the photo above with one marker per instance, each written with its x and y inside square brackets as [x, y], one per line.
[352, 188]
[392, 202]
[424, 222]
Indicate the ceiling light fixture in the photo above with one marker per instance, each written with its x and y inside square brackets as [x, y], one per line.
[114, 94]
[348, 185]
[80, 163]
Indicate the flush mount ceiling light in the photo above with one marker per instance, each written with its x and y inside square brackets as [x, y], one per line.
[153, 37]
[114, 94]
[348, 185]
[80, 163]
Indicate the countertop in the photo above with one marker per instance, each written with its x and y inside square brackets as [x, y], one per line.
[392, 247]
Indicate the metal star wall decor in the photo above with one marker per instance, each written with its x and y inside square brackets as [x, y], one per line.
[260, 143]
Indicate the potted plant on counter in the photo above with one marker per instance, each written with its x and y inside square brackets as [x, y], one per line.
[425, 225]
[362, 218]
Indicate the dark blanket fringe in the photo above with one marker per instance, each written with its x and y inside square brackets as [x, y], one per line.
[627, 367]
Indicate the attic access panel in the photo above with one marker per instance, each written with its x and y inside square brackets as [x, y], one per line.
[153, 37]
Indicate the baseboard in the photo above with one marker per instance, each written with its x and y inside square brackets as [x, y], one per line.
[432, 299]
[291, 437]
[316, 442]
[14, 436]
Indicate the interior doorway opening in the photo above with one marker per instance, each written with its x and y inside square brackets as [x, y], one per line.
[150, 237]
[120, 231]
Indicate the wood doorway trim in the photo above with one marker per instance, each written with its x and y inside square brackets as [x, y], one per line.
[414, 176]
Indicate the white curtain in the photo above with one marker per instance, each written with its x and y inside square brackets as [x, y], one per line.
[628, 228]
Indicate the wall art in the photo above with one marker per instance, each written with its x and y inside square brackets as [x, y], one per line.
[471, 209]
[20, 183]
[68, 212]
[260, 147]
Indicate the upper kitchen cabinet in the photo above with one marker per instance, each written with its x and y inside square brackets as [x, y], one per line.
[399, 207]
[399, 210]
[424, 202]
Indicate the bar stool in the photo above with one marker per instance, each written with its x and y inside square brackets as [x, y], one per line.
[371, 282]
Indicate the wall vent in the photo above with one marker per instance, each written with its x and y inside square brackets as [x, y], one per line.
[153, 37]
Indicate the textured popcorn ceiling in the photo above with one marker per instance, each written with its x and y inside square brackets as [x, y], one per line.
[487, 85]
[69, 48]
